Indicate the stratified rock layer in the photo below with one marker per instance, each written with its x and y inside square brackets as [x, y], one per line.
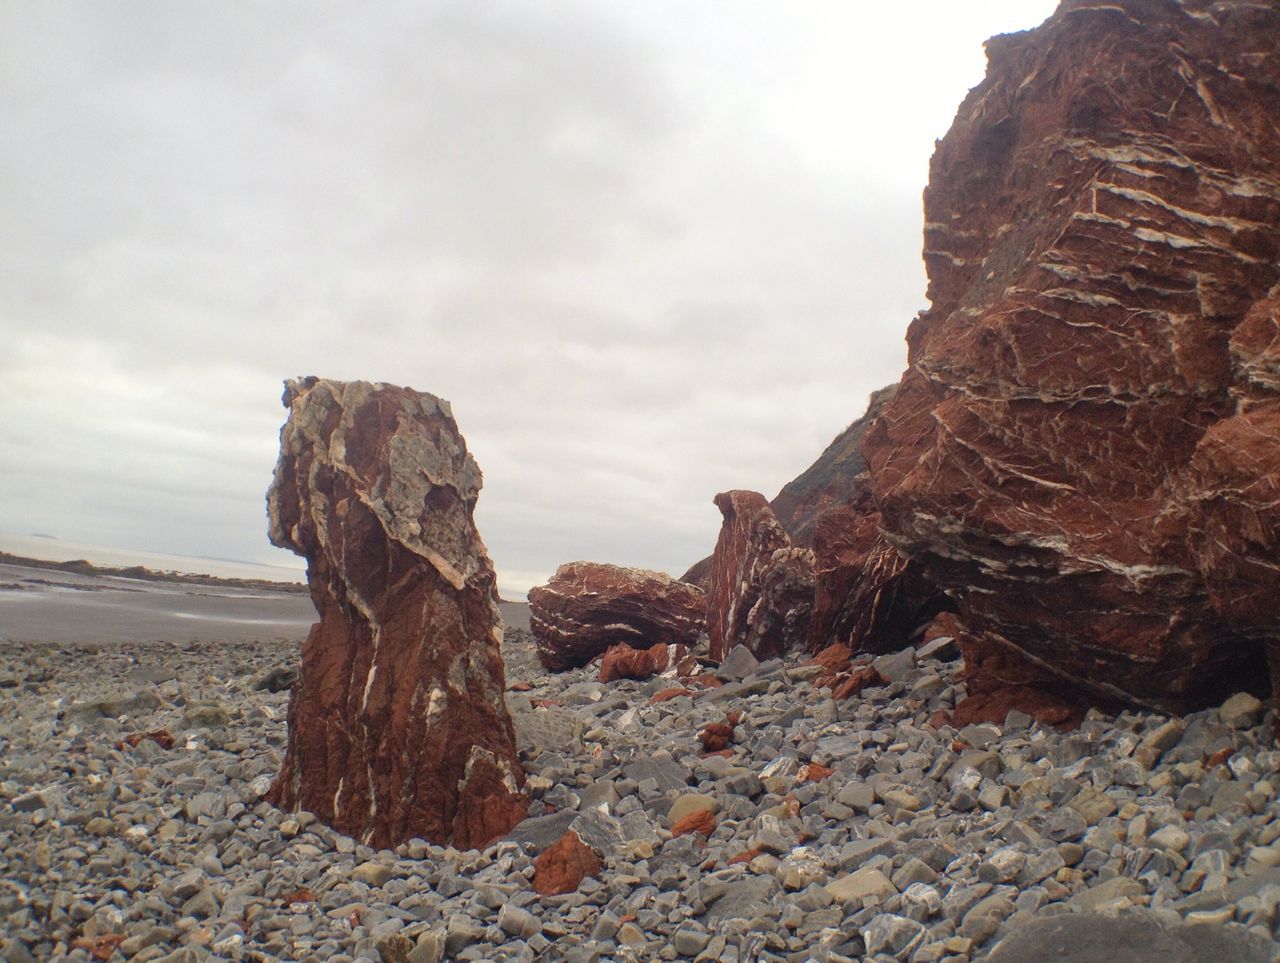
[397, 724]
[1083, 449]
[761, 593]
[587, 607]
[867, 594]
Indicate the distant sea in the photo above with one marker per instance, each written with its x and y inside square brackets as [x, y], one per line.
[50, 549]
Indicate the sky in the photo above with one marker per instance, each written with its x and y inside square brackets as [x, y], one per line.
[649, 251]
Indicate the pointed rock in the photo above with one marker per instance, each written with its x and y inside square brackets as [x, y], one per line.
[761, 593]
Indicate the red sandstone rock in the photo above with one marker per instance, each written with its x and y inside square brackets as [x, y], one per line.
[867, 595]
[563, 866]
[841, 674]
[1083, 447]
[666, 695]
[813, 772]
[761, 586]
[702, 821]
[857, 679]
[589, 606]
[397, 724]
[624, 662]
[717, 736]
[161, 737]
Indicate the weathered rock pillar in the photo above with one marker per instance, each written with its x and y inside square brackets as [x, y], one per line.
[397, 724]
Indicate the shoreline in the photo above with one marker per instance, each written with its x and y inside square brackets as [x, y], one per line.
[82, 566]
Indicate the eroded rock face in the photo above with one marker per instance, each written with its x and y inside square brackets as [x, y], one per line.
[761, 592]
[867, 594]
[397, 724]
[1083, 447]
[587, 607]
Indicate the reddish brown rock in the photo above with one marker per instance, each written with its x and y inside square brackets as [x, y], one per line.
[746, 856]
[867, 595]
[761, 586]
[587, 607]
[1080, 422]
[1232, 487]
[813, 772]
[161, 737]
[844, 676]
[666, 695]
[397, 724]
[563, 866]
[624, 662]
[718, 736]
[701, 821]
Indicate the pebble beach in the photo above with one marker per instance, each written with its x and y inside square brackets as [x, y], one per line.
[132, 824]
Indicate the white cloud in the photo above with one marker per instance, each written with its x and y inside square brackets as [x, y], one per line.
[649, 251]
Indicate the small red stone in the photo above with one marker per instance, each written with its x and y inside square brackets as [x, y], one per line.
[564, 865]
[666, 695]
[702, 821]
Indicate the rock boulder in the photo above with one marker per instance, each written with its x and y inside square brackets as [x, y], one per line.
[761, 592]
[397, 724]
[1083, 450]
[587, 607]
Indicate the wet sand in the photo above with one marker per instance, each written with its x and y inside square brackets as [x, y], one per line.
[39, 605]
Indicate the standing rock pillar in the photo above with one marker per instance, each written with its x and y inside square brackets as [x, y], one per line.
[397, 724]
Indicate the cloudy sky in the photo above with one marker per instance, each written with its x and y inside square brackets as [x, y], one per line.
[650, 250]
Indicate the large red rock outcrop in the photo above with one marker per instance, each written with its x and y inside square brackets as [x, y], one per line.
[761, 585]
[397, 724]
[587, 607]
[1083, 448]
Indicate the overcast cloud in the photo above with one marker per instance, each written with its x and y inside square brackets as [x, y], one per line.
[648, 250]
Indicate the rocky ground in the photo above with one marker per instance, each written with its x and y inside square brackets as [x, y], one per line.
[831, 831]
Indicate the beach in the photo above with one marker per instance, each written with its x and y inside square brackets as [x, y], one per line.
[133, 824]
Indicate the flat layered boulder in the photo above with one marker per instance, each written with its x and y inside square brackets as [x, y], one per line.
[588, 607]
[761, 594]
[1083, 450]
[397, 723]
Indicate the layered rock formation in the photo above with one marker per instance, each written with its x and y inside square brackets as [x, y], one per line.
[1083, 449]
[866, 594]
[587, 607]
[397, 724]
[761, 593]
